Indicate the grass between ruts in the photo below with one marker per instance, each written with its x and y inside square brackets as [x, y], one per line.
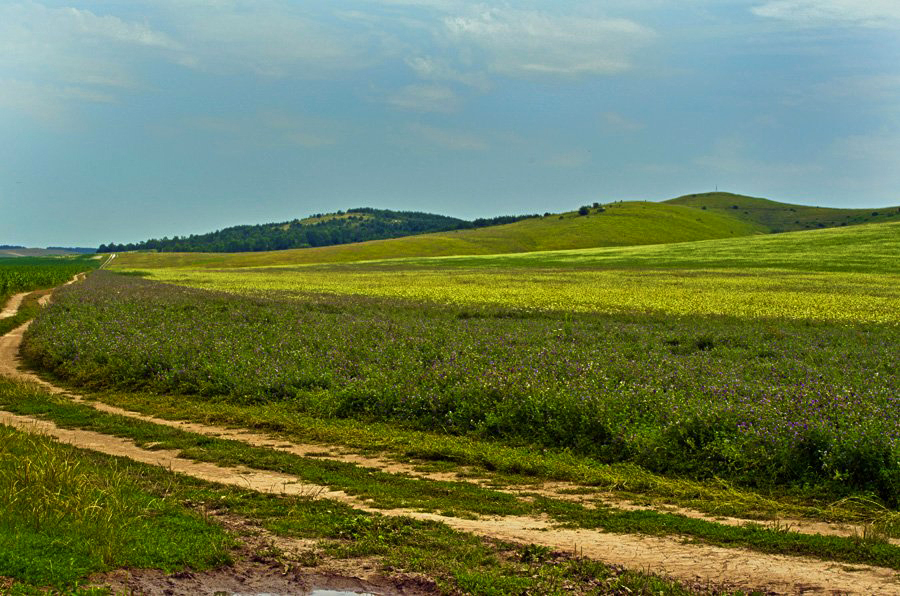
[384, 490]
[71, 513]
[509, 465]
[27, 311]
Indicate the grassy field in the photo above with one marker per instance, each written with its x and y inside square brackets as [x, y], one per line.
[752, 376]
[844, 274]
[783, 217]
[768, 377]
[620, 224]
[72, 513]
[32, 273]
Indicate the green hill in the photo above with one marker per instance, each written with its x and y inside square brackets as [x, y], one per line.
[618, 224]
[16, 252]
[773, 216]
[354, 225]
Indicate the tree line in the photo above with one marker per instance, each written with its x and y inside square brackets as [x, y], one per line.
[344, 227]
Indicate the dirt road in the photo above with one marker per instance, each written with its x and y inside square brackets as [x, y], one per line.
[12, 305]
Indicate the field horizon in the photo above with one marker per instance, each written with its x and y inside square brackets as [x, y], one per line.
[689, 218]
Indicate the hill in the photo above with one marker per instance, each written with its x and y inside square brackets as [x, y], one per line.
[80, 250]
[14, 252]
[354, 225]
[618, 224]
[776, 217]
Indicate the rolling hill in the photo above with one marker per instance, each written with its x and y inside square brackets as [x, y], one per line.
[617, 224]
[775, 217]
[354, 225]
[15, 252]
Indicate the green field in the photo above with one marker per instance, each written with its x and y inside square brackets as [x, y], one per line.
[750, 375]
[685, 219]
[621, 224]
[847, 274]
[615, 352]
[23, 274]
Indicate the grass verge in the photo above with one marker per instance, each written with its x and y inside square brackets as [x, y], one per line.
[75, 512]
[507, 464]
[65, 517]
[27, 311]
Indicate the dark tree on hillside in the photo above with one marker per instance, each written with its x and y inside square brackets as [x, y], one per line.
[354, 225]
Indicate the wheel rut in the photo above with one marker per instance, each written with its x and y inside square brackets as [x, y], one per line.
[12, 305]
[671, 556]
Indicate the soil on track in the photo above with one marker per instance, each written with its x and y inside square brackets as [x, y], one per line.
[12, 305]
[693, 564]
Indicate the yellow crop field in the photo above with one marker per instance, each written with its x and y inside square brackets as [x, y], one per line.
[741, 293]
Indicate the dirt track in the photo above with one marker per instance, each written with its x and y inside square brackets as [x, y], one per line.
[12, 305]
[692, 563]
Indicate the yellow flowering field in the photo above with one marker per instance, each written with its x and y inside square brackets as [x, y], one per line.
[749, 293]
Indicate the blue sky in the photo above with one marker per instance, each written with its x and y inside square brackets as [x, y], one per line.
[121, 121]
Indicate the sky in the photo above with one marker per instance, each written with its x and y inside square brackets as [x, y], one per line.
[126, 120]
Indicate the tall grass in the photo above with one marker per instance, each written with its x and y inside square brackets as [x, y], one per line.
[64, 516]
[778, 402]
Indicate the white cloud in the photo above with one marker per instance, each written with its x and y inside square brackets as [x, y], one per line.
[866, 13]
[525, 43]
[53, 58]
[268, 129]
[450, 139]
[619, 123]
[729, 156]
[436, 69]
[570, 159]
[881, 149]
[425, 98]
[270, 38]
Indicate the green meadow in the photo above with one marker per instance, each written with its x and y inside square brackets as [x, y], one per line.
[767, 360]
[665, 354]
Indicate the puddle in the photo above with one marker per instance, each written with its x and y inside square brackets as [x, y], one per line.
[254, 580]
[314, 592]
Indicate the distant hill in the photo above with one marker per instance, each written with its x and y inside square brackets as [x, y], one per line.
[32, 252]
[616, 224]
[78, 250]
[774, 217]
[343, 227]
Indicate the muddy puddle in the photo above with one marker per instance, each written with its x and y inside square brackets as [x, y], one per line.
[255, 580]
